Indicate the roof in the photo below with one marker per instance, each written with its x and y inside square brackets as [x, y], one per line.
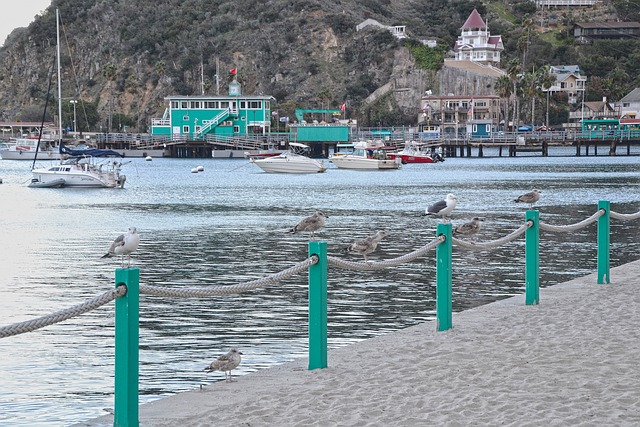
[633, 96]
[613, 24]
[558, 69]
[474, 21]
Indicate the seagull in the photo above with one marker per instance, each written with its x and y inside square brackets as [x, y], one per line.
[468, 228]
[530, 198]
[368, 245]
[311, 223]
[443, 207]
[225, 363]
[124, 244]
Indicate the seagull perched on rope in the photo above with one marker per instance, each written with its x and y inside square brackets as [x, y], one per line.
[368, 245]
[225, 363]
[311, 223]
[124, 244]
[531, 198]
[443, 207]
[468, 228]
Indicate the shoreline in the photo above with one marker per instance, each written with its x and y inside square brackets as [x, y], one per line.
[572, 360]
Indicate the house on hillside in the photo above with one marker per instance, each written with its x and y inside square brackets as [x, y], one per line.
[568, 79]
[594, 110]
[475, 43]
[629, 105]
[586, 32]
[398, 31]
[565, 3]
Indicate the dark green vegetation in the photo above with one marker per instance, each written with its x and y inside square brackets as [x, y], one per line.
[123, 57]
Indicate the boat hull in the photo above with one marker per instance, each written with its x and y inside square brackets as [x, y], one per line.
[289, 164]
[28, 155]
[348, 161]
[408, 158]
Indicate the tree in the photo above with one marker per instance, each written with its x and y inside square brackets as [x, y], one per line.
[503, 88]
[109, 72]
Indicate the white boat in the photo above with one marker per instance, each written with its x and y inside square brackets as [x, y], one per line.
[25, 149]
[292, 161]
[89, 168]
[366, 155]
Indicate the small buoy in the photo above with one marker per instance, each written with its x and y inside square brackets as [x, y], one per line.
[148, 158]
[200, 168]
[194, 170]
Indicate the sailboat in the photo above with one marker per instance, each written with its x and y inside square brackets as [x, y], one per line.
[78, 168]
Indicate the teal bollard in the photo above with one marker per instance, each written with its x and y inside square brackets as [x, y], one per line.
[318, 307]
[125, 413]
[604, 223]
[532, 258]
[443, 279]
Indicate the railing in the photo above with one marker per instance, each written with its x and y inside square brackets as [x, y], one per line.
[128, 289]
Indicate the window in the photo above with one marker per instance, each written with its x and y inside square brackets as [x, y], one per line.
[195, 104]
[224, 104]
[210, 105]
[236, 129]
[184, 104]
[255, 105]
[198, 128]
[174, 105]
[185, 129]
[243, 105]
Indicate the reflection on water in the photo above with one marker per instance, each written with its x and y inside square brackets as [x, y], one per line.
[228, 225]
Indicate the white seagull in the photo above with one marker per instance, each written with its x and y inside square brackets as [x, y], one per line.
[368, 245]
[311, 223]
[443, 207]
[124, 244]
[468, 228]
[530, 197]
[225, 363]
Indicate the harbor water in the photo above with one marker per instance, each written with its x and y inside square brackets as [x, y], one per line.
[228, 224]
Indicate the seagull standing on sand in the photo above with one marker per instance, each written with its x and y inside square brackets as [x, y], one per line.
[368, 245]
[468, 228]
[124, 244]
[443, 207]
[311, 223]
[225, 363]
[530, 198]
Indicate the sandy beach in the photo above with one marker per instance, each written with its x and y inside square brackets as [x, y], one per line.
[571, 360]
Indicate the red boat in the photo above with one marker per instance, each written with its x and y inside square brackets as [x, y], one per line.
[415, 152]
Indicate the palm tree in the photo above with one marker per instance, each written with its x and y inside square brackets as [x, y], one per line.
[546, 80]
[503, 90]
[513, 72]
[109, 71]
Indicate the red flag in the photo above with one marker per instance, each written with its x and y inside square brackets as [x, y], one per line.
[343, 106]
[233, 71]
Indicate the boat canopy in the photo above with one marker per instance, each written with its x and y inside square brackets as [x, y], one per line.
[88, 152]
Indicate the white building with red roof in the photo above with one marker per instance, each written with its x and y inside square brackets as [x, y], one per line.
[476, 43]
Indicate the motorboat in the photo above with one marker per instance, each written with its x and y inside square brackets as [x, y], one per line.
[292, 161]
[28, 149]
[366, 155]
[415, 152]
[89, 168]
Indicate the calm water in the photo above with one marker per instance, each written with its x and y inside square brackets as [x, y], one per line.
[228, 225]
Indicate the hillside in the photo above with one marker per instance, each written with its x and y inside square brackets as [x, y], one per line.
[121, 58]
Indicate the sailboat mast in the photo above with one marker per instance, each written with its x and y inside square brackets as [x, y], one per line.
[59, 78]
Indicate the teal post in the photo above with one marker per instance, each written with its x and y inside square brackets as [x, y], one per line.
[318, 307]
[443, 279]
[532, 255]
[603, 243]
[125, 412]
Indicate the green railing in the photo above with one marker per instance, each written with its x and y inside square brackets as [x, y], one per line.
[128, 289]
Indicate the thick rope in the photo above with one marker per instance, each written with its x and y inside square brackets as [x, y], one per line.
[380, 265]
[624, 217]
[230, 289]
[572, 227]
[494, 243]
[59, 316]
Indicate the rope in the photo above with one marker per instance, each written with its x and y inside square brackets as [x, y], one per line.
[380, 265]
[230, 289]
[494, 243]
[572, 227]
[624, 217]
[59, 316]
